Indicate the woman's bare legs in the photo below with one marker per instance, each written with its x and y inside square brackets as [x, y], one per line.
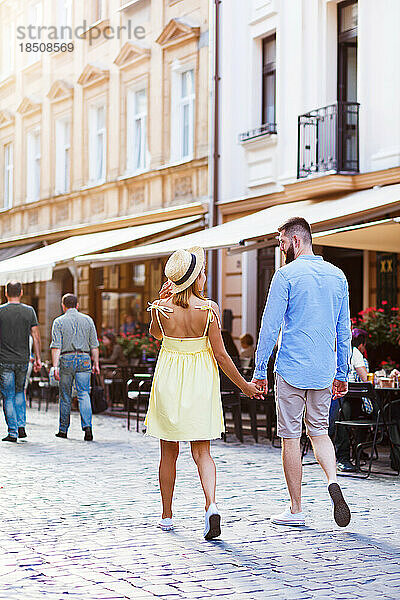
[167, 475]
[206, 467]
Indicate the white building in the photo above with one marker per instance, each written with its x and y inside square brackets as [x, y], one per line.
[309, 109]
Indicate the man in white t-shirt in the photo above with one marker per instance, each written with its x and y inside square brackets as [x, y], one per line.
[358, 364]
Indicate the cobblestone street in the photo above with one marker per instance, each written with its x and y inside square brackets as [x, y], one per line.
[78, 521]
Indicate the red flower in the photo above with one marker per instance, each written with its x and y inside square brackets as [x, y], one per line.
[395, 309]
[381, 310]
[384, 302]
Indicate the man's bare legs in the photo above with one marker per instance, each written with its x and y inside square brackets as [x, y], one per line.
[325, 454]
[292, 468]
[206, 467]
[167, 475]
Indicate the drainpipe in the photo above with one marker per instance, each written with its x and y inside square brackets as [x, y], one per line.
[213, 208]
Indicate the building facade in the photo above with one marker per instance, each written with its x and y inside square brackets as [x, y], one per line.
[104, 124]
[309, 111]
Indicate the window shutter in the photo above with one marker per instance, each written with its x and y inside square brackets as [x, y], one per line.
[29, 167]
[67, 155]
[130, 131]
[92, 144]
[101, 128]
[175, 150]
[59, 183]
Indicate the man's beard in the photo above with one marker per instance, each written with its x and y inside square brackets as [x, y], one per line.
[290, 254]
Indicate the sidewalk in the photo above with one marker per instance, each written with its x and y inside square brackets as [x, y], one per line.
[78, 521]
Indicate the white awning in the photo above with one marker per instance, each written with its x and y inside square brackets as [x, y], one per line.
[381, 236]
[262, 226]
[38, 265]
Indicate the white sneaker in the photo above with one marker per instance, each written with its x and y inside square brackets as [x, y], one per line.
[166, 524]
[288, 518]
[212, 528]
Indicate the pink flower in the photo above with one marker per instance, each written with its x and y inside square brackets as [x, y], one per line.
[384, 302]
[381, 310]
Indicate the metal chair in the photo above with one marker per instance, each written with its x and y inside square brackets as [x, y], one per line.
[138, 390]
[230, 397]
[359, 421]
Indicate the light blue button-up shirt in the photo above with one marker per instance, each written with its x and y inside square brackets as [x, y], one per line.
[309, 299]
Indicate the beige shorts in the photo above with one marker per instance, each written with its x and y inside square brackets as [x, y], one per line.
[292, 403]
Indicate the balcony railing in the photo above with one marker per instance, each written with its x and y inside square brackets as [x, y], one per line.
[258, 132]
[328, 140]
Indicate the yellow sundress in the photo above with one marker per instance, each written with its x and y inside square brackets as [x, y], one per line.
[185, 400]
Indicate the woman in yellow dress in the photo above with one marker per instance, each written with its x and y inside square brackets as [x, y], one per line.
[185, 401]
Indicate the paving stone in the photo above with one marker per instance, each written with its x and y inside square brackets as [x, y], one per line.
[79, 521]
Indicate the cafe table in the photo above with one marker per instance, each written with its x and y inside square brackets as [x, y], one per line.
[387, 398]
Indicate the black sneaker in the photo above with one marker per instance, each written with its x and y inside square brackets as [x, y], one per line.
[88, 434]
[341, 511]
[61, 434]
[22, 432]
[345, 466]
[9, 438]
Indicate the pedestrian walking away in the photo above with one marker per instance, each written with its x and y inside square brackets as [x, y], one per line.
[185, 400]
[18, 322]
[74, 341]
[308, 301]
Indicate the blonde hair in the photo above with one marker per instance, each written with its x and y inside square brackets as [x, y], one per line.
[182, 298]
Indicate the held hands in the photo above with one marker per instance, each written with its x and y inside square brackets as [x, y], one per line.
[166, 290]
[262, 388]
[252, 390]
[339, 388]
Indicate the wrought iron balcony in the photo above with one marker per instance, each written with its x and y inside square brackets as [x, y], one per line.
[258, 132]
[328, 140]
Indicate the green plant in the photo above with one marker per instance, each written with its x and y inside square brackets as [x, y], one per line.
[382, 324]
[130, 345]
[134, 345]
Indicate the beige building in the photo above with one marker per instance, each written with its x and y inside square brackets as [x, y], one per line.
[104, 124]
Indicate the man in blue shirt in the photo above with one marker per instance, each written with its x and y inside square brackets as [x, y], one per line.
[308, 302]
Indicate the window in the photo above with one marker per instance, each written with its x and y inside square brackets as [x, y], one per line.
[269, 81]
[182, 115]
[8, 175]
[136, 128]
[35, 19]
[97, 144]
[62, 156]
[64, 19]
[8, 51]
[33, 166]
[139, 274]
[98, 10]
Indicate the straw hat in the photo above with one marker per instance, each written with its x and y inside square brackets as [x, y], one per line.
[183, 267]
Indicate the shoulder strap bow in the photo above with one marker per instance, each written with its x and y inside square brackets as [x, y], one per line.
[164, 310]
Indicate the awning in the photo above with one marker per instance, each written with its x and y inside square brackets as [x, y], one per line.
[38, 265]
[11, 251]
[261, 227]
[381, 236]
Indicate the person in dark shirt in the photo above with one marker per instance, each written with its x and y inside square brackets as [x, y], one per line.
[17, 322]
[114, 352]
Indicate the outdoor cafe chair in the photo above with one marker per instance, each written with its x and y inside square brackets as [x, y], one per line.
[137, 395]
[377, 425]
[47, 393]
[231, 403]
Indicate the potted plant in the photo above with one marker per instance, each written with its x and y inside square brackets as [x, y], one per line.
[131, 346]
[383, 327]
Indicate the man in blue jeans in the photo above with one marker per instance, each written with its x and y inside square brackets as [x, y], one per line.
[17, 323]
[74, 341]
